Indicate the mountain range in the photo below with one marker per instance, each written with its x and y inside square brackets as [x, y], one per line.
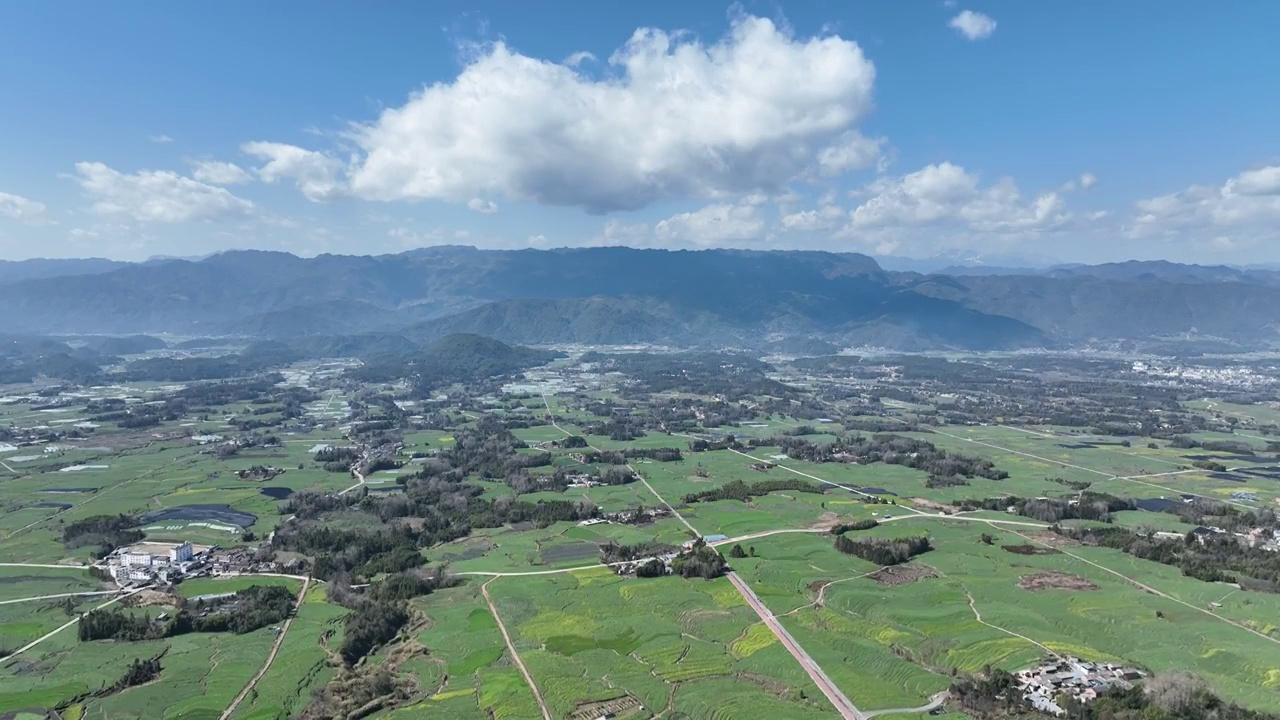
[707, 298]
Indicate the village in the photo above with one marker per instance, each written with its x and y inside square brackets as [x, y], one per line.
[146, 563]
[1047, 685]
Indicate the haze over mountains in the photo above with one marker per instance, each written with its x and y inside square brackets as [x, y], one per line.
[711, 298]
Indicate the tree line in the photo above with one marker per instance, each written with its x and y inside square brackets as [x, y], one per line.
[883, 551]
[743, 491]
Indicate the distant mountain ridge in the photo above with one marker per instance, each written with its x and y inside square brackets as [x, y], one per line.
[708, 298]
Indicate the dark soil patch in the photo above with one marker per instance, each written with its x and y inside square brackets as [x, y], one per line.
[1235, 458]
[573, 551]
[224, 514]
[1051, 580]
[471, 552]
[816, 585]
[902, 574]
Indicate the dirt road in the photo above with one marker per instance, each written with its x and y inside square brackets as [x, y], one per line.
[271, 656]
[515, 656]
[69, 623]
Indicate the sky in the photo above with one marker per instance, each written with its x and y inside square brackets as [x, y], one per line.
[1003, 132]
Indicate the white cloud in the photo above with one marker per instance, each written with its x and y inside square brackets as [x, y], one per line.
[160, 139]
[826, 217]
[713, 226]
[1263, 181]
[973, 25]
[19, 208]
[1248, 204]
[1087, 180]
[672, 117]
[946, 194]
[216, 172]
[851, 152]
[316, 174]
[156, 195]
[482, 206]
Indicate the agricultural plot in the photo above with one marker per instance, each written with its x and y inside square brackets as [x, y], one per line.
[306, 661]
[1029, 604]
[677, 648]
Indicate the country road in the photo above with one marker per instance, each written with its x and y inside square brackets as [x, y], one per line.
[843, 705]
[515, 656]
[359, 482]
[50, 566]
[69, 623]
[271, 656]
[59, 595]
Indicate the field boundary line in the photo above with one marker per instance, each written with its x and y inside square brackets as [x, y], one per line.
[271, 656]
[511, 647]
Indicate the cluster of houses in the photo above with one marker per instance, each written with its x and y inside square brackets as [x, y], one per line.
[1047, 684]
[632, 516]
[582, 480]
[238, 561]
[154, 562]
[1259, 537]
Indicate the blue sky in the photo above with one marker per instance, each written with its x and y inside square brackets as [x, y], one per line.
[1066, 131]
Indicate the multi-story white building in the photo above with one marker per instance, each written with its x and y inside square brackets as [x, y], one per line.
[136, 559]
[181, 553]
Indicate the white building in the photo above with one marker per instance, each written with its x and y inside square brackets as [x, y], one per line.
[135, 559]
[181, 553]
